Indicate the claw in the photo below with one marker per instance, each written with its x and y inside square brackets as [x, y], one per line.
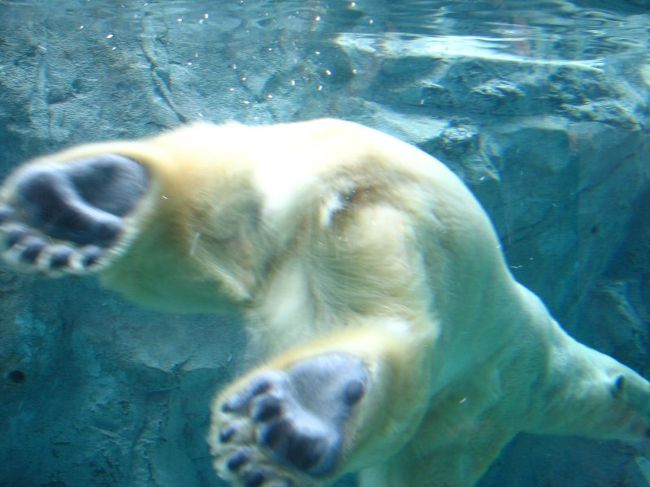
[60, 257]
[6, 213]
[226, 435]
[15, 234]
[238, 460]
[267, 408]
[33, 248]
[254, 478]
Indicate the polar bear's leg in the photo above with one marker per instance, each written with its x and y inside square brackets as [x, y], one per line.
[63, 218]
[460, 462]
[631, 393]
[595, 396]
[450, 447]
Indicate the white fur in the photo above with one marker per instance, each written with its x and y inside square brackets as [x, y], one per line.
[329, 236]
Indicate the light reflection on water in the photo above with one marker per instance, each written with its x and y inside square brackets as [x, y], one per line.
[260, 51]
[505, 49]
[551, 29]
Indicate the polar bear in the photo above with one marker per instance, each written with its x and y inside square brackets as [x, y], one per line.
[391, 338]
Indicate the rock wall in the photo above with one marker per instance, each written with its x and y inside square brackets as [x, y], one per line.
[541, 106]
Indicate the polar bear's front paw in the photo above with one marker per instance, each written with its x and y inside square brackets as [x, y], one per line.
[287, 427]
[67, 218]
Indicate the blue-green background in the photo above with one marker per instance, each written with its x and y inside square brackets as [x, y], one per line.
[541, 106]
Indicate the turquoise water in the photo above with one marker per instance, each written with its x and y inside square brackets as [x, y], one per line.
[542, 107]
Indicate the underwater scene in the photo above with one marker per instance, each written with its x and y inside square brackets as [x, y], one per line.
[540, 107]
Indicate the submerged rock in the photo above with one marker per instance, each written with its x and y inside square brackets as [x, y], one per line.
[542, 109]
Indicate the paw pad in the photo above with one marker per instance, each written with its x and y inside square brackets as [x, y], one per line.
[288, 427]
[68, 218]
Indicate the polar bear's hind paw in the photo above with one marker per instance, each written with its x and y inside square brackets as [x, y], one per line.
[63, 218]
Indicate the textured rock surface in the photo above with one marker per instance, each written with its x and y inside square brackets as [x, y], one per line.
[541, 107]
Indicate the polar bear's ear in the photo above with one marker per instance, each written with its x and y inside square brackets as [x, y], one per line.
[58, 217]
